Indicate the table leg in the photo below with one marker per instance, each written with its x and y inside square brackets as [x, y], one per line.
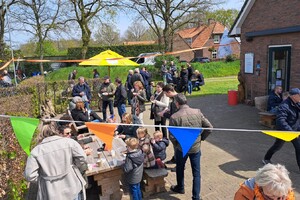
[109, 184]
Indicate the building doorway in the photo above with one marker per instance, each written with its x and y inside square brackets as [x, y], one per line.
[279, 67]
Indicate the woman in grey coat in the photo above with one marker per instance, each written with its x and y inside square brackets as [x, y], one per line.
[57, 164]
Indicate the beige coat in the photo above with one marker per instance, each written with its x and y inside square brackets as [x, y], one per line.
[54, 165]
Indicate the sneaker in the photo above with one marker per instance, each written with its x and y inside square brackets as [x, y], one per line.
[174, 188]
[172, 161]
[266, 162]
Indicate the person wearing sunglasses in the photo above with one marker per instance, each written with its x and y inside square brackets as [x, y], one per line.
[272, 182]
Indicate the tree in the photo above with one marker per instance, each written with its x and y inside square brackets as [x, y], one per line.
[83, 13]
[163, 16]
[226, 17]
[39, 18]
[3, 12]
[107, 35]
[135, 32]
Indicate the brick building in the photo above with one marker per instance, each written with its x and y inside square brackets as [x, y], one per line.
[206, 36]
[270, 45]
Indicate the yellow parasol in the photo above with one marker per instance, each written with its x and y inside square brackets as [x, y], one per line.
[109, 58]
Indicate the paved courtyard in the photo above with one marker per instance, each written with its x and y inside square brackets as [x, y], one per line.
[228, 158]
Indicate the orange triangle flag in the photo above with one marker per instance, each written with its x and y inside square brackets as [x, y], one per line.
[103, 131]
[286, 136]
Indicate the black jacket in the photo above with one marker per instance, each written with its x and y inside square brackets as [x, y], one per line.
[79, 115]
[184, 76]
[288, 113]
[120, 95]
[159, 148]
[133, 166]
[273, 101]
[137, 77]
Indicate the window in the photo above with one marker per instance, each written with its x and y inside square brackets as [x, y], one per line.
[214, 54]
[188, 40]
[216, 38]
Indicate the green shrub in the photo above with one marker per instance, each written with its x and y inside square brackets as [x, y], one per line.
[124, 50]
[160, 59]
[230, 58]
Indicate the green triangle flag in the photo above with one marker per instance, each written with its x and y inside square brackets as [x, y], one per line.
[24, 129]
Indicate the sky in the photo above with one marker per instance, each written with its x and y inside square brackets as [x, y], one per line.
[123, 21]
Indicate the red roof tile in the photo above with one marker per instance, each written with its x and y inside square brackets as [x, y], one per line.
[202, 33]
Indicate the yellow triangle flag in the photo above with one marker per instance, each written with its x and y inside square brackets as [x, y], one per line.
[284, 135]
[103, 131]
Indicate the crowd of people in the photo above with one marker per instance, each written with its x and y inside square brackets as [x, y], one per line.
[145, 150]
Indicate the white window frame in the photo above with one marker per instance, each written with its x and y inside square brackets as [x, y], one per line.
[214, 54]
[217, 39]
[188, 40]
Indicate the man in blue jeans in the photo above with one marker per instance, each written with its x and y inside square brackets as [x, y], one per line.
[120, 97]
[188, 117]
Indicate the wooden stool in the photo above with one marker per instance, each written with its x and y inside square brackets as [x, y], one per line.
[267, 119]
[153, 181]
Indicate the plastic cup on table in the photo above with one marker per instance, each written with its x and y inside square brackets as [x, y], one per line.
[113, 153]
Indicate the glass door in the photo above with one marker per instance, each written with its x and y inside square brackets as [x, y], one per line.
[279, 67]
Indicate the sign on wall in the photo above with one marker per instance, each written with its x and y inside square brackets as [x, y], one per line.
[249, 63]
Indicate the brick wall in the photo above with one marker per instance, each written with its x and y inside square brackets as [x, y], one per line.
[269, 15]
[178, 45]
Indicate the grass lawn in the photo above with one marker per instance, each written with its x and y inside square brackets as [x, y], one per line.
[219, 85]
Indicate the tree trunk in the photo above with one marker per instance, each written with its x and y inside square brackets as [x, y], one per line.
[2, 22]
[86, 37]
[41, 52]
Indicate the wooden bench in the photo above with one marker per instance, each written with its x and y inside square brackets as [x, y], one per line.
[265, 118]
[153, 181]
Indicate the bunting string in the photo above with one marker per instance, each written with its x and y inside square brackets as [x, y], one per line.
[129, 57]
[24, 128]
[165, 126]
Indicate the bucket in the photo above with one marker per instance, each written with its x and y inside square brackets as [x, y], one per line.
[232, 97]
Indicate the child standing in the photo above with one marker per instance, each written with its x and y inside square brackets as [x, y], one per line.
[159, 145]
[145, 146]
[133, 168]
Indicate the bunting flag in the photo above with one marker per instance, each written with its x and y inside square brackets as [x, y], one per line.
[103, 131]
[286, 136]
[186, 137]
[24, 129]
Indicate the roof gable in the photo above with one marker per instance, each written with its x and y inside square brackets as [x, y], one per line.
[236, 27]
[201, 33]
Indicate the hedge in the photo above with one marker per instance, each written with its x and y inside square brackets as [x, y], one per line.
[124, 50]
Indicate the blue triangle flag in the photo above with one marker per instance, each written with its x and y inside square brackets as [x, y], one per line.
[186, 137]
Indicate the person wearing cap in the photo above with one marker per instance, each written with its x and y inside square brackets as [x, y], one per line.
[287, 120]
[106, 93]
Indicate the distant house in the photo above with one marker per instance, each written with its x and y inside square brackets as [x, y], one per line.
[270, 45]
[206, 36]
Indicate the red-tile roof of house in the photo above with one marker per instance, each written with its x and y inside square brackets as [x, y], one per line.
[204, 33]
[190, 32]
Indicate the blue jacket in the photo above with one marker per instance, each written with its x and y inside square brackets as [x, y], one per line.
[82, 88]
[287, 116]
[159, 148]
[146, 76]
[273, 101]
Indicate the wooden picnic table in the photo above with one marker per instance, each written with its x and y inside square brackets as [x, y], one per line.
[108, 174]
